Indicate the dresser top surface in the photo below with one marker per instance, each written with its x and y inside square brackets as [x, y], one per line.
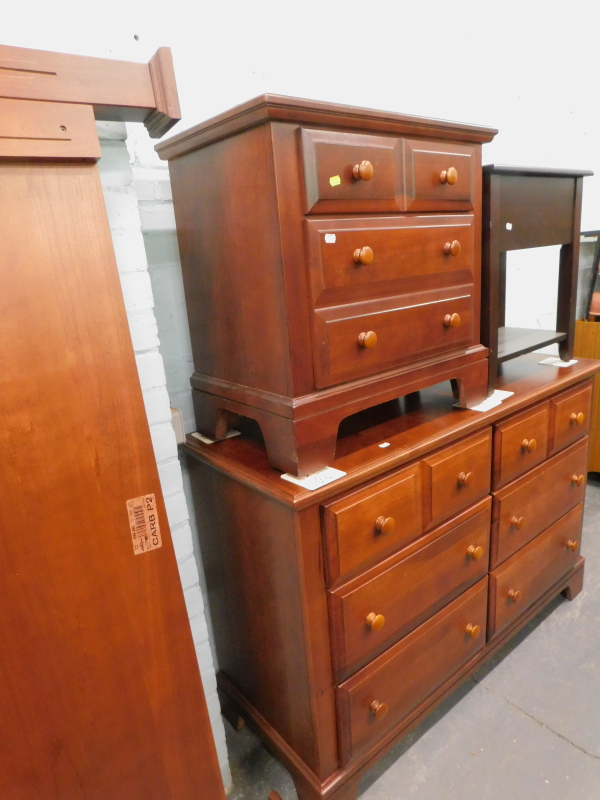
[411, 426]
[272, 107]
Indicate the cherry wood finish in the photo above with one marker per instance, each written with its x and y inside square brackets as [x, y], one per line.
[410, 671]
[95, 635]
[116, 90]
[570, 414]
[530, 504]
[525, 576]
[527, 207]
[343, 783]
[30, 129]
[403, 249]
[457, 476]
[408, 588]
[328, 640]
[520, 444]
[243, 185]
[368, 523]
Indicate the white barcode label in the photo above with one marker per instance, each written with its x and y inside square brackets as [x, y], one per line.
[143, 524]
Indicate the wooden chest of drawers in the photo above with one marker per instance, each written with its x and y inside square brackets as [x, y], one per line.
[331, 262]
[342, 616]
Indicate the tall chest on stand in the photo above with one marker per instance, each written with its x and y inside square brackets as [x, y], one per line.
[331, 261]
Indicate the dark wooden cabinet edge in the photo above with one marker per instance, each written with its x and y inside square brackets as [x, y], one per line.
[570, 585]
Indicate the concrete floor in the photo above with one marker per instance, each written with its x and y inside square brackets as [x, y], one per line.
[525, 726]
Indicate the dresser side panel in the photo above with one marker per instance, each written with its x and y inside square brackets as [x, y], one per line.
[289, 172]
[229, 240]
[257, 600]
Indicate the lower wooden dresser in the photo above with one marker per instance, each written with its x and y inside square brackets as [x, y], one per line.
[343, 615]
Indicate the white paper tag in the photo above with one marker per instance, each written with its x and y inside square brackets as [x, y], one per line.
[553, 361]
[509, 226]
[316, 479]
[492, 401]
[384, 444]
[206, 440]
[330, 238]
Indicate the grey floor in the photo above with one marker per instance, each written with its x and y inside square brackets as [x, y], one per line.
[525, 726]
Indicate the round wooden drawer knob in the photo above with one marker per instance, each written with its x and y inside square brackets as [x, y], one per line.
[379, 710]
[375, 621]
[367, 339]
[466, 478]
[579, 480]
[578, 419]
[452, 248]
[452, 320]
[363, 171]
[515, 595]
[572, 545]
[384, 524]
[475, 552]
[517, 522]
[472, 630]
[363, 255]
[449, 176]
[528, 445]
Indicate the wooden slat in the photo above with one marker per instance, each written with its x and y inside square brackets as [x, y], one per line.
[118, 90]
[31, 129]
[100, 693]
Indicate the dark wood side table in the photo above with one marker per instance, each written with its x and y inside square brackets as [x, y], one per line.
[525, 207]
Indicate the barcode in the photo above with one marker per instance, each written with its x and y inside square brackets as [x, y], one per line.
[139, 521]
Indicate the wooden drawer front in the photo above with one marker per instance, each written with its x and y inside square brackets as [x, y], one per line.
[329, 158]
[531, 504]
[401, 254]
[520, 444]
[457, 476]
[410, 671]
[529, 573]
[403, 334]
[373, 521]
[408, 588]
[428, 176]
[570, 416]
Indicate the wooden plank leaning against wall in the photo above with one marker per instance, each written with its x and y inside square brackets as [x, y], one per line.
[100, 692]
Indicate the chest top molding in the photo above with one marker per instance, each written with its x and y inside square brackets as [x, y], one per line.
[272, 107]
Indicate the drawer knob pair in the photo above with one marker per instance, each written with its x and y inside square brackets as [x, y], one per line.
[475, 552]
[577, 419]
[528, 445]
[375, 621]
[379, 710]
[449, 176]
[472, 631]
[572, 545]
[514, 595]
[466, 479]
[452, 248]
[452, 320]
[363, 255]
[517, 522]
[384, 524]
[363, 171]
[367, 339]
[578, 480]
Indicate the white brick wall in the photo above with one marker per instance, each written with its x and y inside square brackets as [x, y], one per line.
[127, 229]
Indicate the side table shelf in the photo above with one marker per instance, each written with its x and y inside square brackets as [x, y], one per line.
[526, 207]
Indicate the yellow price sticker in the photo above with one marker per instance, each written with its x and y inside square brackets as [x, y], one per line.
[335, 180]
